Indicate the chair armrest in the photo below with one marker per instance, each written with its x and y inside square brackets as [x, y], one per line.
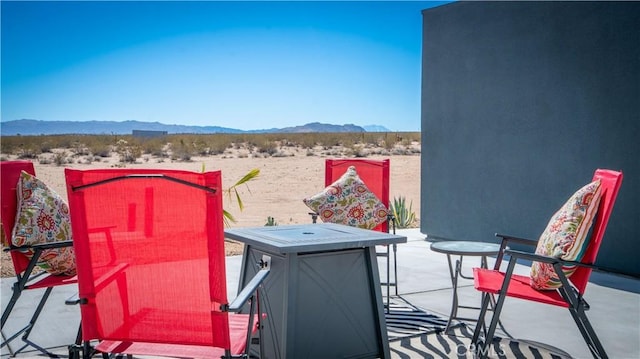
[531, 256]
[508, 238]
[503, 246]
[314, 217]
[248, 290]
[73, 300]
[391, 220]
[549, 260]
[41, 246]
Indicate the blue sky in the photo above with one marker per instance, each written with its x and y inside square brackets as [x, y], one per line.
[245, 65]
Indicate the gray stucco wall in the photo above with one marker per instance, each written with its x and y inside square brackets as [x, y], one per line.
[521, 102]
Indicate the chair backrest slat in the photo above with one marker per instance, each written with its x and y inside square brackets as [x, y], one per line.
[150, 255]
[610, 185]
[374, 173]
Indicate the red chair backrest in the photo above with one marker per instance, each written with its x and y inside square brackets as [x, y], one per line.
[610, 182]
[9, 175]
[150, 255]
[374, 173]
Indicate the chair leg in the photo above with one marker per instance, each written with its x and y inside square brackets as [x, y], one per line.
[26, 331]
[395, 267]
[482, 351]
[577, 307]
[12, 302]
[5, 342]
[87, 350]
[480, 326]
[74, 351]
[34, 318]
[588, 333]
[388, 280]
[79, 335]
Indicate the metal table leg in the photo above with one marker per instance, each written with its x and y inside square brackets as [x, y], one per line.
[456, 273]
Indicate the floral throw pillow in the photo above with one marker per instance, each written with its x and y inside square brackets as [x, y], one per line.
[43, 217]
[566, 236]
[348, 201]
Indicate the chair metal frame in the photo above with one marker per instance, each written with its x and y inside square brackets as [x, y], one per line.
[24, 267]
[569, 295]
[248, 296]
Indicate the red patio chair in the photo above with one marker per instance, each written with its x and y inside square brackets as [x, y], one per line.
[159, 288]
[375, 174]
[569, 295]
[27, 277]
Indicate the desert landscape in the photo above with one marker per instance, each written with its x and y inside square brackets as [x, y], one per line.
[277, 192]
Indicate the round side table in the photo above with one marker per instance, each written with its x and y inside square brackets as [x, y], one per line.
[461, 249]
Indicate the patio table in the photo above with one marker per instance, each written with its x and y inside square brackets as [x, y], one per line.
[461, 249]
[322, 298]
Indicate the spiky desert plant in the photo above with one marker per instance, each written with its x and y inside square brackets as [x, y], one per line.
[404, 216]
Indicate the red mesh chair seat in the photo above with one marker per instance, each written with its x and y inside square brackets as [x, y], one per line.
[490, 281]
[238, 336]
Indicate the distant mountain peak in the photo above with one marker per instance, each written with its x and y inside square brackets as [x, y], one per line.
[40, 127]
[376, 128]
[322, 127]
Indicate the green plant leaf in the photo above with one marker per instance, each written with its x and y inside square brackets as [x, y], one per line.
[233, 190]
[228, 218]
[251, 175]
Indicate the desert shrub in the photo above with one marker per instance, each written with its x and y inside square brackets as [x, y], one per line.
[306, 140]
[79, 149]
[128, 152]
[30, 147]
[181, 150]
[219, 142]
[45, 147]
[268, 147]
[28, 153]
[100, 149]
[60, 158]
[355, 151]
[153, 145]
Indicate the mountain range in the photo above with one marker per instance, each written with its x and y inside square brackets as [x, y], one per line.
[39, 127]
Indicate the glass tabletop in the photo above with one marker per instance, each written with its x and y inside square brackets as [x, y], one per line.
[466, 248]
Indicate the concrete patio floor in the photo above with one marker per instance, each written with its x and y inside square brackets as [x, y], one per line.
[424, 281]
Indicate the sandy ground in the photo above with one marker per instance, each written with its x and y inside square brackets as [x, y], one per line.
[277, 192]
